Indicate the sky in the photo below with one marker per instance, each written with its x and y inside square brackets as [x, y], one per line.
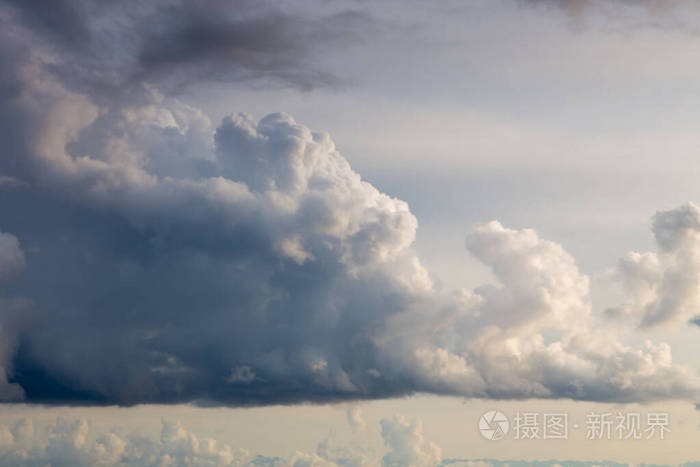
[339, 233]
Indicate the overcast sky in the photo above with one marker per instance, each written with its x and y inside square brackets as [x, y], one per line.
[336, 233]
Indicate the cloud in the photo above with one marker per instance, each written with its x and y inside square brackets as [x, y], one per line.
[533, 272]
[12, 262]
[247, 263]
[527, 463]
[577, 7]
[532, 335]
[406, 444]
[663, 287]
[667, 14]
[355, 419]
[12, 259]
[77, 443]
[108, 46]
[74, 443]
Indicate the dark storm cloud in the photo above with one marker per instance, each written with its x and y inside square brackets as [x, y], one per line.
[266, 45]
[65, 21]
[170, 308]
[179, 42]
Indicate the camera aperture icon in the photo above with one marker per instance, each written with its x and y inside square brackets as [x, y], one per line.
[493, 425]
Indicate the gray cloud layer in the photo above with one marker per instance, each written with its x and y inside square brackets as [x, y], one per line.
[666, 14]
[110, 45]
[166, 259]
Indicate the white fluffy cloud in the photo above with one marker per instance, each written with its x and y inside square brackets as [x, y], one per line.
[71, 443]
[532, 334]
[663, 287]
[406, 444]
[76, 443]
[541, 286]
[355, 419]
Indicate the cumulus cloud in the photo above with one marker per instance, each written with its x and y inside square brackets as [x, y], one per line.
[663, 287]
[355, 419]
[11, 256]
[74, 443]
[12, 261]
[532, 335]
[407, 445]
[285, 238]
[246, 262]
[276, 274]
[77, 443]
